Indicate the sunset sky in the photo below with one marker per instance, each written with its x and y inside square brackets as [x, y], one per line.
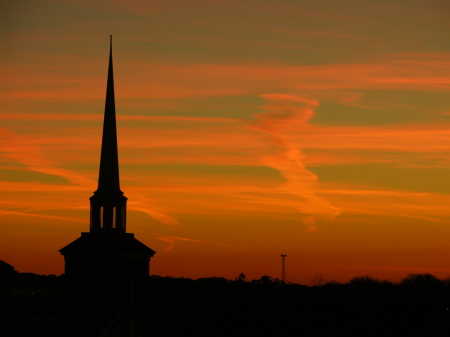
[247, 130]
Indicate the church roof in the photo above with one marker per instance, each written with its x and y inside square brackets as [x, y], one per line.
[107, 243]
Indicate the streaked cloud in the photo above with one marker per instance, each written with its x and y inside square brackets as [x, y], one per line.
[24, 151]
[429, 207]
[172, 239]
[286, 115]
[146, 79]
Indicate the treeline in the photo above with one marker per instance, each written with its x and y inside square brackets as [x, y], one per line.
[418, 305]
[412, 281]
[35, 284]
[10, 279]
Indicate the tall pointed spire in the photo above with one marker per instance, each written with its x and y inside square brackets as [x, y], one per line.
[107, 266]
[108, 204]
[108, 179]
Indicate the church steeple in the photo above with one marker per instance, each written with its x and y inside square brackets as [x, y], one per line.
[108, 204]
[107, 266]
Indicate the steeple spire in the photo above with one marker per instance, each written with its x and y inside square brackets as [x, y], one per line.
[108, 179]
[108, 202]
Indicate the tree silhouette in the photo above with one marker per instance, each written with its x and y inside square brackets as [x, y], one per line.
[421, 281]
[241, 278]
[8, 275]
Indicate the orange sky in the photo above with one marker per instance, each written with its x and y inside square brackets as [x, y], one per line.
[247, 130]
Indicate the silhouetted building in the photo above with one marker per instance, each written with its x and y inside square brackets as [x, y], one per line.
[107, 264]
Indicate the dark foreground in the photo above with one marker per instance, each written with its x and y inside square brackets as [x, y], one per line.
[33, 305]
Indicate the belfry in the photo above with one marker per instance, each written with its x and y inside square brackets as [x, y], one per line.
[106, 263]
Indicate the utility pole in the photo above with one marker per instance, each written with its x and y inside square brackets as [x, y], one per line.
[283, 268]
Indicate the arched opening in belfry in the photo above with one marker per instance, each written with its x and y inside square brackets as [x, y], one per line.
[101, 218]
[114, 217]
[123, 218]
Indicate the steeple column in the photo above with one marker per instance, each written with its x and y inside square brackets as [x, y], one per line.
[121, 216]
[96, 219]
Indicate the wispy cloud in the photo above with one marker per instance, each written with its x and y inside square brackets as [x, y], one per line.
[286, 115]
[408, 138]
[144, 79]
[152, 208]
[429, 207]
[99, 117]
[172, 239]
[36, 215]
[23, 150]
